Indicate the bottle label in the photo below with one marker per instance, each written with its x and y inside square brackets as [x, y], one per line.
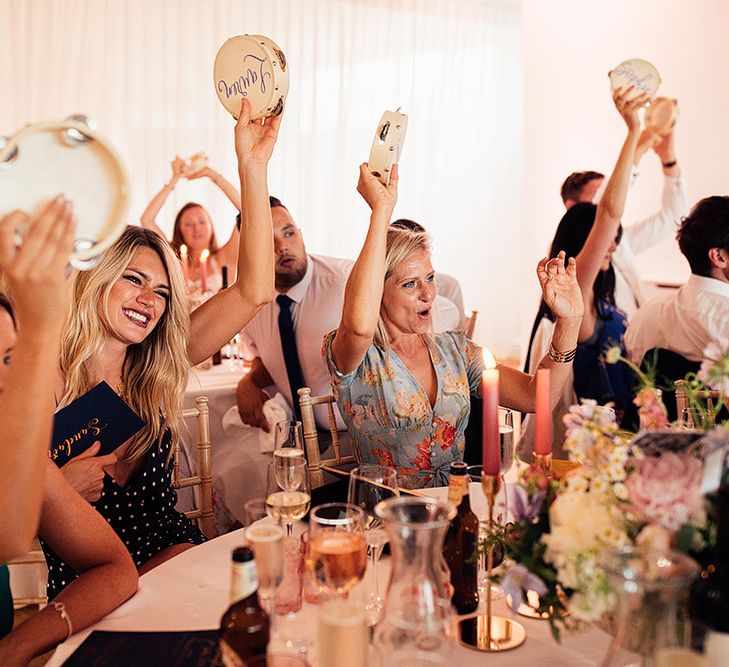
[244, 581]
[457, 488]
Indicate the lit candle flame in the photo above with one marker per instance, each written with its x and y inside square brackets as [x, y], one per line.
[488, 359]
[183, 250]
[204, 255]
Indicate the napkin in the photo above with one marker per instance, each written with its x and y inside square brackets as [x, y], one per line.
[275, 410]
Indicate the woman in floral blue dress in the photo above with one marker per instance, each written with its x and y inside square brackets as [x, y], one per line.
[405, 393]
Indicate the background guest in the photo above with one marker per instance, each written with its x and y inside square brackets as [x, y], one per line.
[194, 229]
[696, 315]
[592, 233]
[404, 393]
[587, 186]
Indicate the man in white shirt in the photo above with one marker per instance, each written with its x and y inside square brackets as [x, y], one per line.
[697, 314]
[311, 288]
[587, 186]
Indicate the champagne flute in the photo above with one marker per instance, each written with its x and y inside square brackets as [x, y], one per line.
[284, 503]
[368, 485]
[267, 542]
[337, 552]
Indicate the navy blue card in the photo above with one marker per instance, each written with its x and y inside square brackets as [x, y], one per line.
[97, 415]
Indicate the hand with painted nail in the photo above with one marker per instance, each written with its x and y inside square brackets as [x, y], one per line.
[34, 271]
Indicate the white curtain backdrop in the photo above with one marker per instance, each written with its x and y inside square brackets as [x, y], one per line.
[143, 70]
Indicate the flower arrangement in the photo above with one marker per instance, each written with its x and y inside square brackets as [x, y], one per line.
[617, 495]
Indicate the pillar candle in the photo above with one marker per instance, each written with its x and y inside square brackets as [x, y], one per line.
[185, 261]
[491, 453]
[543, 429]
[204, 270]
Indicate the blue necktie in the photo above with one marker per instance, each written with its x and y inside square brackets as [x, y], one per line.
[288, 345]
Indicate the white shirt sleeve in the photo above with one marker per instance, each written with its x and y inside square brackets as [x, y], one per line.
[445, 315]
[646, 233]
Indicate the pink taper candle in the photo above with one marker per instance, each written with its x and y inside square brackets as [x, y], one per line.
[543, 429]
[491, 453]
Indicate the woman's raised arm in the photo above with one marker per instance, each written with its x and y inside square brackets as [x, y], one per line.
[149, 217]
[363, 293]
[215, 322]
[610, 209]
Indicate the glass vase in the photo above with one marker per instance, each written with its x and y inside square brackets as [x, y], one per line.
[650, 620]
[416, 628]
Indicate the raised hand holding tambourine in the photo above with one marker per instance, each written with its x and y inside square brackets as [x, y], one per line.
[251, 67]
[387, 144]
[44, 159]
[638, 74]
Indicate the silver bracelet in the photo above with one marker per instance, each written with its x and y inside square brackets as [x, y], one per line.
[561, 357]
[61, 609]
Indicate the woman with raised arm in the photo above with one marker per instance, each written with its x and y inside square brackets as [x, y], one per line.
[33, 492]
[591, 234]
[404, 392]
[128, 325]
[194, 229]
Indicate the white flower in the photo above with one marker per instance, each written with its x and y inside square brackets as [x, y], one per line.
[620, 490]
[715, 366]
[579, 523]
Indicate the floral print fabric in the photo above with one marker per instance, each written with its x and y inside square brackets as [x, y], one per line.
[388, 414]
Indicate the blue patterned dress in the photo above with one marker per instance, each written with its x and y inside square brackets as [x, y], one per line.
[389, 416]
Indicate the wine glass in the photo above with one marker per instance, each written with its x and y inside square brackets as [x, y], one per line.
[254, 510]
[337, 552]
[288, 502]
[267, 542]
[288, 434]
[368, 485]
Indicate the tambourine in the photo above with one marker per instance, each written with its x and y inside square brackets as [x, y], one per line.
[387, 144]
[43, 160]
[251, 66]
[195, 163]
[662, 115]
[638, 73]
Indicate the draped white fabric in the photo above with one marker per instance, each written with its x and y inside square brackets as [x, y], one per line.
[143, 70]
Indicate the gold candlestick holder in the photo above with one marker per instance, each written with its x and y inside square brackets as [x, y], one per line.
[543, 461]
[487, 632]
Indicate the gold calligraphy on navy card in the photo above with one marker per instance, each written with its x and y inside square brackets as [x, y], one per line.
[97, 415]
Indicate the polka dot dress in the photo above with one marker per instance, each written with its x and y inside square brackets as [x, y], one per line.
[142, 514]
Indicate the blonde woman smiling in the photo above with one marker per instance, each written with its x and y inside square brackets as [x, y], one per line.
[128, 325]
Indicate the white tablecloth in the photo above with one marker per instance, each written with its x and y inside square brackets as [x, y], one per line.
[190, 592]
[239, 473]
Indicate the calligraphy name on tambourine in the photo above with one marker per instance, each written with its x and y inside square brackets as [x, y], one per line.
[97, 415]
[638, 73]
[255, 68]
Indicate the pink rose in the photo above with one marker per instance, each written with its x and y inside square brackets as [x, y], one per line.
[666, 489]
[654, 536]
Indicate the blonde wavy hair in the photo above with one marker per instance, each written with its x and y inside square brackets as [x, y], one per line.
[402, 243]
[155, 371]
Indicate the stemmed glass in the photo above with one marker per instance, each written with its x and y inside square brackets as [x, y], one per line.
[267, 542]
[288, 490]
[337, 551]
[368, 485]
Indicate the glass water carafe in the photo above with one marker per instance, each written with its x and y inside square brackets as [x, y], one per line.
[650, 623]
[416, 628]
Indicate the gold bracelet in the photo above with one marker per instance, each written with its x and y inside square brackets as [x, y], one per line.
[561, 357]
[61, 609]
